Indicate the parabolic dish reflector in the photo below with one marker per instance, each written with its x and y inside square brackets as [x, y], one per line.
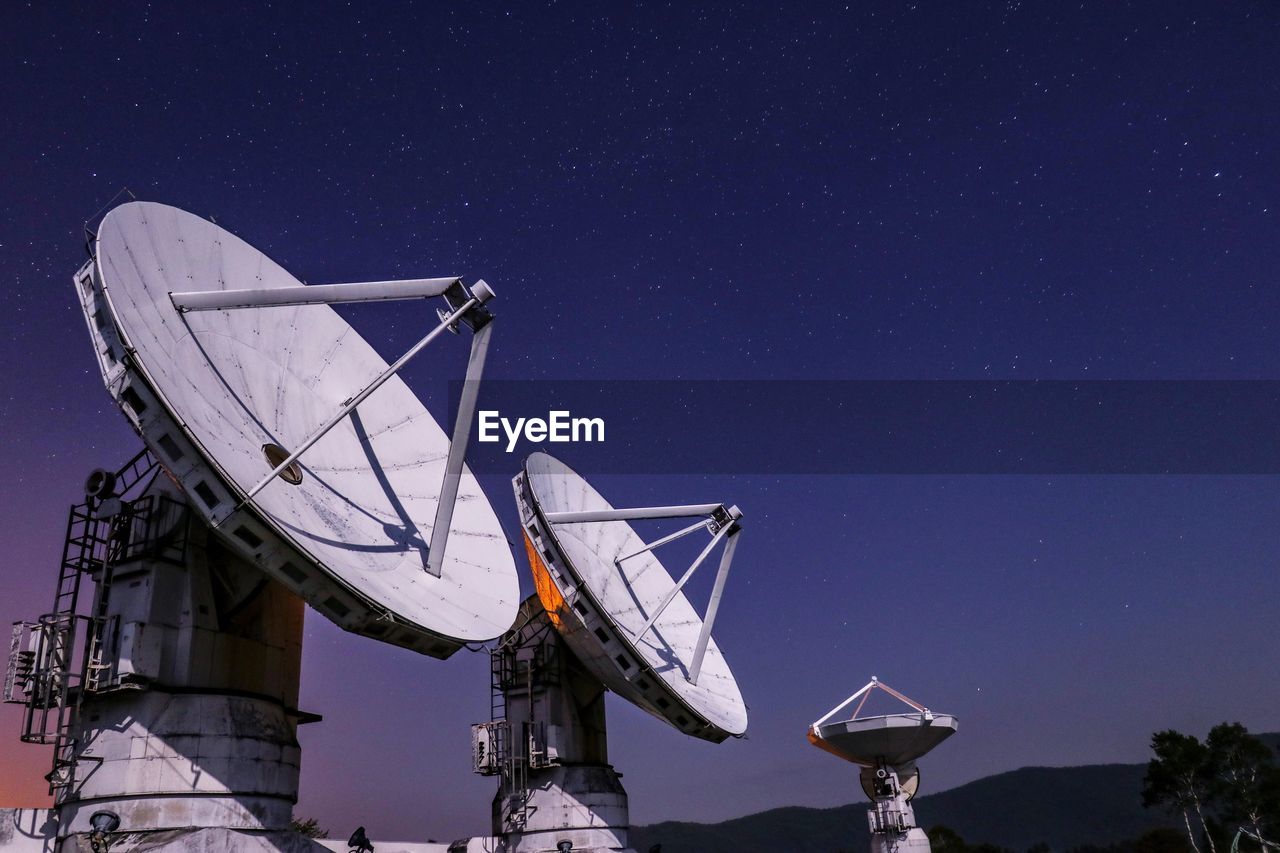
[895, 739]
[600, 606]
[218, 394]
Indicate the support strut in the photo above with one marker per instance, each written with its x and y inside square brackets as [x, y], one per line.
[311, 294]
[458, 449]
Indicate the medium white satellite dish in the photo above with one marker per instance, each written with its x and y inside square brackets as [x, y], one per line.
[886, 748]
[296, 441]
[616, 606]
[895, 740]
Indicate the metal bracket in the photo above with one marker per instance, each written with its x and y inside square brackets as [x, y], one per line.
[458, 447]
[316, 294]
[457, 295]
[864, 693]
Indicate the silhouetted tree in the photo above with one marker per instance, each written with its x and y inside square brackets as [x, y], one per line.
[1245, 782]
[1178, 780]
[1162, 839]
[944, 838]
[309, 827]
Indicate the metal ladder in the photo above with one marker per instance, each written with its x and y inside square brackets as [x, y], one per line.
[50, 678]
[49, 673]
[513, 776]
[97, 671]
[498, 676]
[524, 660]
[92, 548]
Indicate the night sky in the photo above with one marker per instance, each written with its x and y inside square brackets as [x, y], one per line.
[873, 191]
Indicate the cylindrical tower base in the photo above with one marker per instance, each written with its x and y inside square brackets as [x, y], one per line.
[582, 804]
[162, 760]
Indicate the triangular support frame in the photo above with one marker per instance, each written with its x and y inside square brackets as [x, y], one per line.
[722, 522]
[863, 694]
[466, 306]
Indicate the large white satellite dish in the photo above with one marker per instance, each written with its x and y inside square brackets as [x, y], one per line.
[295, 440]
[616, 606]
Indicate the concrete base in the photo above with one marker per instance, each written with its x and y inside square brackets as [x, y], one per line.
[199, 841]
[35, 831]
[583, 804]
[27, 830]
[165, 760]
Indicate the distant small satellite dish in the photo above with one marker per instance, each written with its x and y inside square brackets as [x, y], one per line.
[616, 605]
[294, 439]
[895, 740]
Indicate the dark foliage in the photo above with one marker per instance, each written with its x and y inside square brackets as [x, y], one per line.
[310, 827]
[1228, 782]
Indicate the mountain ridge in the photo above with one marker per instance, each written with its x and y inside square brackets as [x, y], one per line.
[1063, 807]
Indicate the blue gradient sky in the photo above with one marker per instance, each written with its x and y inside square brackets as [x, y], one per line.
[697, 192]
